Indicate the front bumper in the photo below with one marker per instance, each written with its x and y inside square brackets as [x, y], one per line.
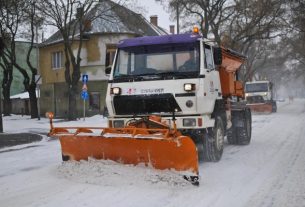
[182, 122]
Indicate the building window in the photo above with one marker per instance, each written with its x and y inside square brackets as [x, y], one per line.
[57, 60]
[110, 53]
[94, 101]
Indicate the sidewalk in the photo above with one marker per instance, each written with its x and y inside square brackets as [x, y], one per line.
[8, 140]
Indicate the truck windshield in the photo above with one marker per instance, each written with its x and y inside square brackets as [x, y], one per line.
[158, 60]
[257, 87]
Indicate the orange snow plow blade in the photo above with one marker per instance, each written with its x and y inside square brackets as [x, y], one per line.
[260, 107]
[157, 148]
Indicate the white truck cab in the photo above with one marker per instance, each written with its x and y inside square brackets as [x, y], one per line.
[259, 88]
[176, 78]
[162, 76]
[258, 92]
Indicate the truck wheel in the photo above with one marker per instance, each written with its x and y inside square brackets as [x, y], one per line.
[197, 138]
[243, 133]
[200, 149]
[231, 134]
[214, 141]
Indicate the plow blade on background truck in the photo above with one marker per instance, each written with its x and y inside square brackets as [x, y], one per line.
[261, 108]
[259, 96]
[157, 148]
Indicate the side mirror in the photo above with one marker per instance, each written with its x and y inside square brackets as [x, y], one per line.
[108, 70]
[217, 55]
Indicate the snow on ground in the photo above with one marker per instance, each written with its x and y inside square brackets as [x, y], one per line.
[16, 123]
[268, 172]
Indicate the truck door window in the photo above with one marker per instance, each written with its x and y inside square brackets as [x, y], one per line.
[208, 61]
[122, 68]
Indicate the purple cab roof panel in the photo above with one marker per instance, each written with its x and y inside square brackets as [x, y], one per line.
[157, 40]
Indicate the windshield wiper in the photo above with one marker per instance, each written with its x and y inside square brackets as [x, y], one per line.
[148, 76]
[125, 77]
[122, 76]
[176, 74]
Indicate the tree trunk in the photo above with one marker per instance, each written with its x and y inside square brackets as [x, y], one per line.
[33, 101]
[6, 87]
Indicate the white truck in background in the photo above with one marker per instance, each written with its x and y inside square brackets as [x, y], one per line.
[260, 96]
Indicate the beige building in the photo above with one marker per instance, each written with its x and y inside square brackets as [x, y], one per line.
[97, 53]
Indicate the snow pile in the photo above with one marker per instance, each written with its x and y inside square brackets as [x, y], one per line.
[110, 173]
[18, 124]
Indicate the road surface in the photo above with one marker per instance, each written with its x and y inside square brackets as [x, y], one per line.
[268, 172]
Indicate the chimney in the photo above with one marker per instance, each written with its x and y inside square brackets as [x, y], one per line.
[154, 20]
[172, 29]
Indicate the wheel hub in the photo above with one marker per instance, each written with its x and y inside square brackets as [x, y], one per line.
[219, 139]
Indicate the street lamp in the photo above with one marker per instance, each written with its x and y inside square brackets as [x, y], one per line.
[1, 122]
[38, 24]
[176, 4]
[177, 16]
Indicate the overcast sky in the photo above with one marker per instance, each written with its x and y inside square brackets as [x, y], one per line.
[155, 8]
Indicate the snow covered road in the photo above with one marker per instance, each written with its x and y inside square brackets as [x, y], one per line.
[268, 172]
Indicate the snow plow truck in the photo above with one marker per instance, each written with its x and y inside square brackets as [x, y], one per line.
[171, 101]
[259, 96]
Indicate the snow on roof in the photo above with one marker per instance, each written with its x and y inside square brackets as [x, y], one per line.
[114, 18]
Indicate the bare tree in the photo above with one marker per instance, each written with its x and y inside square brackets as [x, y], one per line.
[31, 20]
[72, 18]
[10, 20]
[250, 29]
[17, 15]
[296, 25]
[253, 20]
[208, 15]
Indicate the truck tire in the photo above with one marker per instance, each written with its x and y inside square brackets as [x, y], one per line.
[243, 133]
[213, 141]
[200, 149]
[197, 138]
[231, 134]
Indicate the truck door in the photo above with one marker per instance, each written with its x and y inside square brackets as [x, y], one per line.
[212, 86]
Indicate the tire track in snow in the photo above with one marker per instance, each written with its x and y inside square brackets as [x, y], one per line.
[286, 186]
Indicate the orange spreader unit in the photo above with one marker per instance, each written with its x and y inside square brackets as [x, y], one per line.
[231, 62]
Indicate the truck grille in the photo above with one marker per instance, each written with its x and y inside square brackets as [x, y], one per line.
[145, 104]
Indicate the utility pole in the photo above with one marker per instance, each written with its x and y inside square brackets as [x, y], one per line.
[37, 83]
[1, 121]
[177, 13]
[177, 16]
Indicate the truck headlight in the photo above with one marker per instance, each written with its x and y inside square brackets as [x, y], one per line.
[118, 123]
[189, 87]
[115, 91]
[189, 122]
